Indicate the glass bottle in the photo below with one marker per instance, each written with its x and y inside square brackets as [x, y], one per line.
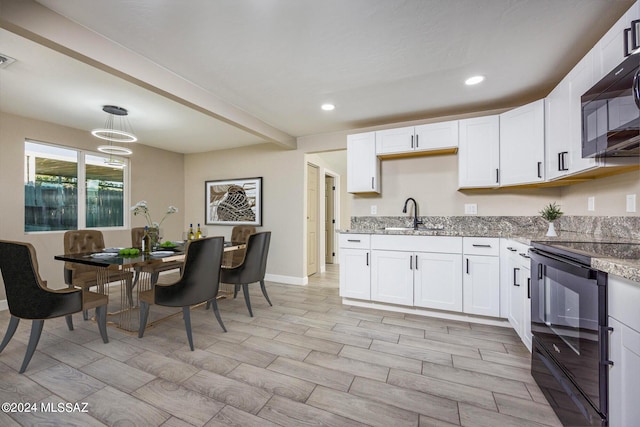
[191, 236]
[199, 233]
[146, 240]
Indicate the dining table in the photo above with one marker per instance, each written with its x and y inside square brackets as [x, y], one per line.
[123, 315]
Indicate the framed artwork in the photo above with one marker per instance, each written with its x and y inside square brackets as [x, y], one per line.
[233, 202]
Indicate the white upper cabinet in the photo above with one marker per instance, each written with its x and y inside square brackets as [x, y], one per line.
[435, 137]
[610, 50]
[479, 152]
[363, 167]
[522, 145]
[563, 111]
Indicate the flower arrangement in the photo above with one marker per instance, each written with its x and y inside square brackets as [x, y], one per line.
[141, 208]
[551, 212]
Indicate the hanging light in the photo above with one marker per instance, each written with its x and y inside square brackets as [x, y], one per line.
[120, 133]
[112, 133]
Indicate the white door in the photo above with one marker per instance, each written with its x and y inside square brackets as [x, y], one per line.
[522, 144]
[438, 281]
[362, 163]
[557, 138]
[624, 375]
[355, 274]
[400, 140]
[525, 274]
[515, 290]
[481, 285]
[436, 136]
[479, 152]
[329, 219]
[392, 277]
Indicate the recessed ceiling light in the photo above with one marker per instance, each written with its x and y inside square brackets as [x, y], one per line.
[474, 80]
[328, 107]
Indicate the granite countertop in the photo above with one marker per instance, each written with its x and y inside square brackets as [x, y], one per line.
[626, 268]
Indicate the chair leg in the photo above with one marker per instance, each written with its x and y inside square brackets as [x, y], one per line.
[85, 314]
[11, 329]
[264, 292]
[245, 291]
[130, 285]
[214, 303]
[154, 278]
[69, 320]
[144, 314]
[236, 288]
[36, 331]
[186, 315]
[101, 317]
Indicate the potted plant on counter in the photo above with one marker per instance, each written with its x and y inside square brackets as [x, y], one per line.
[550, 213]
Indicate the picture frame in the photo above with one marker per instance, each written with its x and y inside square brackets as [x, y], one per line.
[233, 202]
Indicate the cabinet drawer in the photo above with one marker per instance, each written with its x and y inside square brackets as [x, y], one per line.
[355, 241]
[439, 244]
[481, 246]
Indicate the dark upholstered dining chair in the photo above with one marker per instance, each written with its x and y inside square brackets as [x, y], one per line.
[198, 283]
[252, 269]
[29, 298]
[84, 276]
[153, 270]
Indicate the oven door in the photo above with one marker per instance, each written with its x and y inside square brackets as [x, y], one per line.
[568, 318]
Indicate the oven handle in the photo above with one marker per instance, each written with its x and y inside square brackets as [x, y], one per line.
[562, 264]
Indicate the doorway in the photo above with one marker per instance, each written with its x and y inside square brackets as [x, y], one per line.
[313, 177]
[329, 218]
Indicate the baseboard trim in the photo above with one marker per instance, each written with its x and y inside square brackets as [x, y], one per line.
[429, 313]
[287, 280]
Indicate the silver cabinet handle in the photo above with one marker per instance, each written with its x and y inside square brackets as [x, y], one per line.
[480, 246]
[524, 255]
[353, 240]
[511, 249]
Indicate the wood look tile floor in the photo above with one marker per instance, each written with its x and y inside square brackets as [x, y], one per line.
[308, 360]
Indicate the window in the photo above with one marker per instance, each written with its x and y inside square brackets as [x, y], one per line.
[66, 189]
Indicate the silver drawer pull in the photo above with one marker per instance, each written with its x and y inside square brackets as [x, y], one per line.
[353, 240]
[481, 246]
[522, 254]
[511, 249]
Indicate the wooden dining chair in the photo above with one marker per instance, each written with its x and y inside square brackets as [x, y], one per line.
[85, 276]
[153, 270]
[28, 297]
[252, 269]
[198, 284]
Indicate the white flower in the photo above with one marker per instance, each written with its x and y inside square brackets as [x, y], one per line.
[141, 208]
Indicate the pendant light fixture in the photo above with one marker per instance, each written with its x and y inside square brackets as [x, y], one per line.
[116, 129]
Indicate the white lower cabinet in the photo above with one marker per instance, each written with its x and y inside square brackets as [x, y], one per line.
[420, 271]
[624, 351]
[392, 277]
[355, 266]
[481, 285]
[438, 281]
[624, 375]
[481, 278]
[516, 280]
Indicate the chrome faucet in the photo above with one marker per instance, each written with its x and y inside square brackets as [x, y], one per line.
[415, 212]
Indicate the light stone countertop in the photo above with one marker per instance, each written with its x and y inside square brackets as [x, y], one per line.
[626, 268]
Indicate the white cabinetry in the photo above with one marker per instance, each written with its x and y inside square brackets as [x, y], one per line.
[355, 266]
[522, 145]
[363, 166]
[479, 152]
[421, 271]
[624, 352]
[609, 51]
[516, 284]
[481, 278]
[435, 137]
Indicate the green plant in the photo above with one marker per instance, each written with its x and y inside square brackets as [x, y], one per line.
[551, 212]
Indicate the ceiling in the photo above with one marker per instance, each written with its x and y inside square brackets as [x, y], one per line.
[272, 63]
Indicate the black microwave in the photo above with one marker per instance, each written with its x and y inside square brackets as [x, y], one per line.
[611, 113]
